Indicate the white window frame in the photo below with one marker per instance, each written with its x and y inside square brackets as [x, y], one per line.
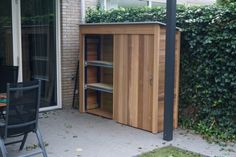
[149, 3]
[104, 4]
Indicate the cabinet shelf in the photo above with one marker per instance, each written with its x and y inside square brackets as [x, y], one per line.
[100, 112]
[99, 63]
[100, 87]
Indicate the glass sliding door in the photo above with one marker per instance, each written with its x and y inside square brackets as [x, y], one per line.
[6, 44]
[38, 35]
[28, 39]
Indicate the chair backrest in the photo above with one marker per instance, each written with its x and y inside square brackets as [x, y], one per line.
[8, 74]
[23, 107]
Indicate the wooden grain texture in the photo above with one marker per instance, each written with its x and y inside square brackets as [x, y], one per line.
[81, 74]
[177, 79]
[107, 102]
[138, 74]
[133, 80]
[155, 76]
[92, 46]
[161, 87]
[142, 86]
[91, 99]
[161, 79]
[107, 55]
[120, 79]
[107, 73]
[101, 112]
[146, 62]
[133, 88]
[117, 29]
[107, 48]
[116, 74]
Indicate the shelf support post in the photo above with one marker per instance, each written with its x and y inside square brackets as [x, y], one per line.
[98, 94]
[86, 71]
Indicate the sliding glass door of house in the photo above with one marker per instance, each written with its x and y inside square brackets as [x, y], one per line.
[6, 42]
[38, 34]
[28, 39]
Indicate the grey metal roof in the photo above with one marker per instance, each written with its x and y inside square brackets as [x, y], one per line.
[127, 23]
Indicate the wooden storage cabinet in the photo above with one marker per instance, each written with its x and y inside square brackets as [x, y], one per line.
[131, 68]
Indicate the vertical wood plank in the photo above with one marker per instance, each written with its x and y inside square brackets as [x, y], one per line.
[177, 71]
[156, 75]
[141, 84]
[161, 86]
[125, 79]
[116, 72]
[120, 95]
[81, 74]
[133, 81]
[147, 82]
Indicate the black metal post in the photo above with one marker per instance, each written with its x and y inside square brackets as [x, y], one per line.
[169, 70]
[98, 93]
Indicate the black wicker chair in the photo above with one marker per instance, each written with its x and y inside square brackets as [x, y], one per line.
[9, 74]
[22, 111]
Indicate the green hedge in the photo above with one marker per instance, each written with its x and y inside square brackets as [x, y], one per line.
[225, 2]
[208, 63]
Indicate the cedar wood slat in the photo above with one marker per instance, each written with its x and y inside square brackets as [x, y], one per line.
[177, 75]
[156, 76]
[81, 74]
[115, 29]
[147, 82]
[141, 76]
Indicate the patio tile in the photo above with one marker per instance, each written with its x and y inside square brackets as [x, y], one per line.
[69, 133]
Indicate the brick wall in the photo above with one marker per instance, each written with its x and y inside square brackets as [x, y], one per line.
[70, 19]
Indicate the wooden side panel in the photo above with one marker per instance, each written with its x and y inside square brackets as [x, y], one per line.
[81, 74]
[177, 75]
[155, 74]
[161, 87]
[133, 80]
[120, 79]
[107, 55]
[92, 49]
[107, 73]
[107, 48]
[162, 79]
[91, 100]
[145, 82]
